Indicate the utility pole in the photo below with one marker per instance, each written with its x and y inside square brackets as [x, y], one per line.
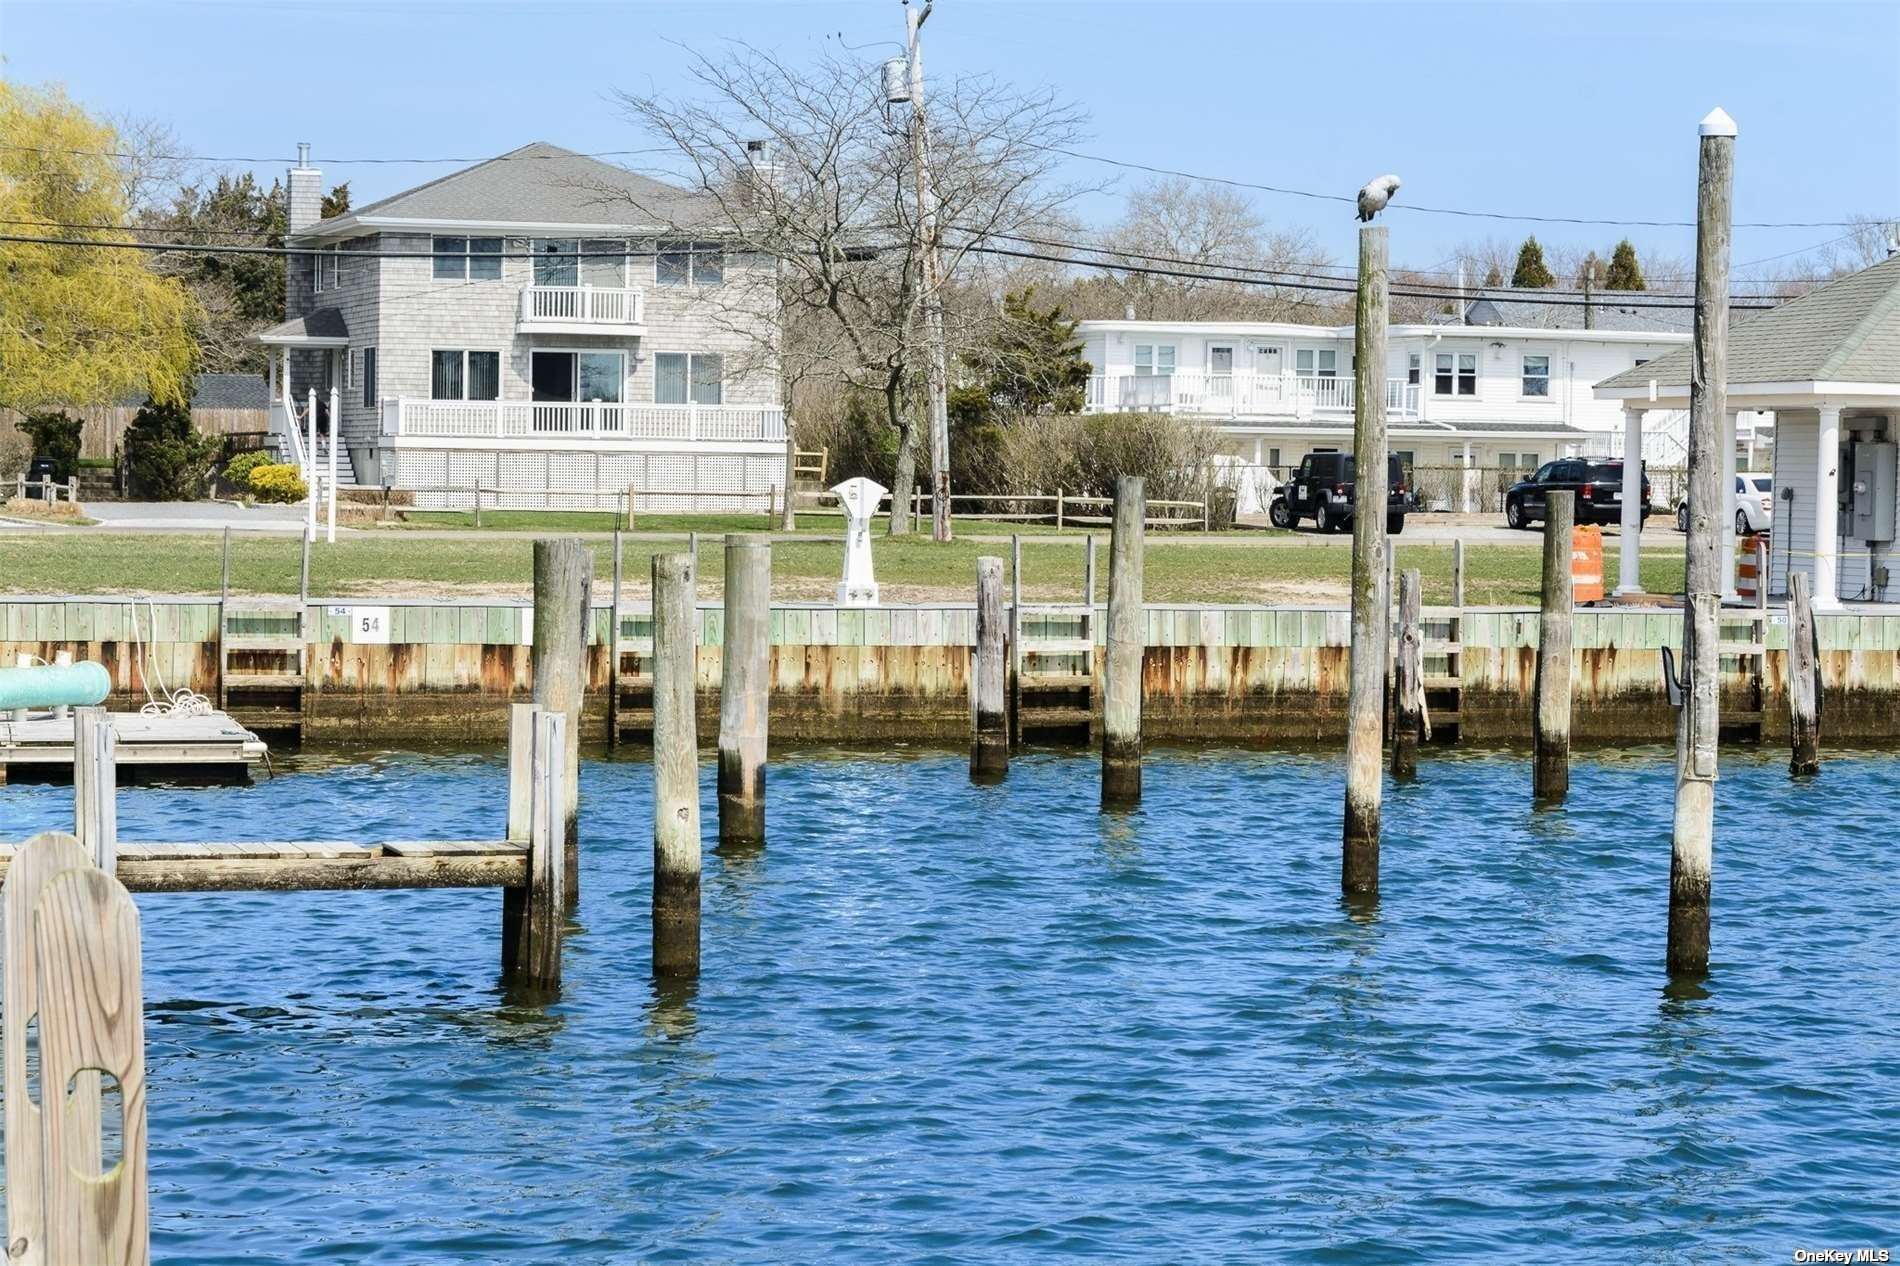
[1589, 277]
[931, 281]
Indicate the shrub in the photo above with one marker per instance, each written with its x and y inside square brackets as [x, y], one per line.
[278, 483]
[165, 457]
[237, 471]
[1086, 454]
[56, 436]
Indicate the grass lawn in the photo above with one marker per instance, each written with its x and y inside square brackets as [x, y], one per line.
[1183, 568]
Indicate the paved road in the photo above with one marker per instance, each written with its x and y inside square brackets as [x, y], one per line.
[195, 516]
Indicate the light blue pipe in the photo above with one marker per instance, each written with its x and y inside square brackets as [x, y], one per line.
[78, 685]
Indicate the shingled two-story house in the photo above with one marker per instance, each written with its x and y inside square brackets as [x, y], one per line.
[542, 323]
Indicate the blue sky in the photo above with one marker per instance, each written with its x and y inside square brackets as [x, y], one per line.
[1557, 109]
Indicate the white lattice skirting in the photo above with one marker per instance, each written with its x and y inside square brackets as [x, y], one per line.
[663, 483]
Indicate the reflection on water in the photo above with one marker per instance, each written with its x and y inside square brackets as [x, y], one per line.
[941, 1021]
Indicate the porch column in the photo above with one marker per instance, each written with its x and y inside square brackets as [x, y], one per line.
[1464, 478]
[1629, 578]
[270, 360]
[1827, 487]
[1726, 528]
[1260, 450]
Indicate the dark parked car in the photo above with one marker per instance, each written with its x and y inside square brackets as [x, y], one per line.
[1322, 490]
[1598, 485]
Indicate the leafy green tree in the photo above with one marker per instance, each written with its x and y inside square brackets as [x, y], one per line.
[166, 459]
[1031, 361]
[1531, 273]
[79, 323]
[336, 202]
[55, 435]
[1624, 272]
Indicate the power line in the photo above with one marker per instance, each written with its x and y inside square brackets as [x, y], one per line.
[339, 162]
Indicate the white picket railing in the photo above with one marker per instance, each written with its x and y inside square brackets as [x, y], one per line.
[583, 305]
[1240, 394]
[594, 419]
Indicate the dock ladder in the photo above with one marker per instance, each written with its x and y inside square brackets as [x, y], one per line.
[1051, 657]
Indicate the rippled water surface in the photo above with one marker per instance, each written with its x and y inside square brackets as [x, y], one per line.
[948, 1023]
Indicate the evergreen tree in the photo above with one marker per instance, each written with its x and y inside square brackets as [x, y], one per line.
[1590, 273]
[1624, 272]
[1530, 273]
[1032, 361]
[166, 458]
[1492, 277]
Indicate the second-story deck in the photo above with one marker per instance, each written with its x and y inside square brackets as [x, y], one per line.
[581, 310]
[1240, 395]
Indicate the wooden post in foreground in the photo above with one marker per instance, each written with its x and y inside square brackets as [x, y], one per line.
[96, 786]
[613, 652]
[563, 576]
[1371, 617]
[224, 573]
[1804, 680]
[1692, 847]
[1458, 572]
[303, 582]
[1550, 725]
[675, 772]
[989, 743]
[1408, 693]
[1127, 636]
[534, 919]
[745, 684]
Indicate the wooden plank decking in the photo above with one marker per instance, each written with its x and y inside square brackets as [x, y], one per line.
[315, 865]
[215, 739]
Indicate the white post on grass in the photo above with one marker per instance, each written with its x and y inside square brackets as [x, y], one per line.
[330, 529]
[310, 470]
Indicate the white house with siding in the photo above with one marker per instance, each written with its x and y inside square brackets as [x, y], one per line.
[541, 323]
[1828, 365]
[1464, 395]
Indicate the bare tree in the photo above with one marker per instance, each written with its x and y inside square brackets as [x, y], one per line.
[802, 169]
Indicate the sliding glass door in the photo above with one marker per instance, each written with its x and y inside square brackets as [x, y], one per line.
[577, 391]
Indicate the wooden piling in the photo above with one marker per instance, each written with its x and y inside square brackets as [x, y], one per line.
[1804, 680]
[1013, 688]
[989, 741]
[1458, 573]
[675, 772]
[563, 577]
[96, 786]
[1127, 636]
[514, 901]
[744, 686]
[1550, 727]
[1371, 616]
[1692, 845]
[534, 918]
[224, 573]
[303, 576]
[613, 653]
[1409, 719]
[1088, 580]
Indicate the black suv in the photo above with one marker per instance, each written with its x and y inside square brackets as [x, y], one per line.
[1598, 485]
[1322, 490]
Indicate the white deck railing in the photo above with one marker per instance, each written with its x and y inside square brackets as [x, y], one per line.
[1243, 393]
[583, 305]
[596, 420]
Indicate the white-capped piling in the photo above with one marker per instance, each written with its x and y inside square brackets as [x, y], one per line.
[1550, 728]
[1127, 636]
[676, 853]
[1804, 680]
[1371, 614]
[744, 684]
[563, 577]
[989, 741]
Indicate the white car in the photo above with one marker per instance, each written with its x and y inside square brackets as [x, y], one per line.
[1754, 504]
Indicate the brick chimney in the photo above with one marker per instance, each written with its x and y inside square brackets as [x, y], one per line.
[306, 191]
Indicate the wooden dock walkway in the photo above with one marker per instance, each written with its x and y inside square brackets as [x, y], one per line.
[212, 743]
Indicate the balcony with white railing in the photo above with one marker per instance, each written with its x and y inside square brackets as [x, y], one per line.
[581, 310]
[602, 421]
[1243, 395]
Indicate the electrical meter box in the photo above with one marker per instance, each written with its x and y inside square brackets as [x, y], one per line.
[1873, 492]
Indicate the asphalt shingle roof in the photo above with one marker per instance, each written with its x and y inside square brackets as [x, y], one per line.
[1497, 307]
[323, 323]
[544, 184]
[1845, 331]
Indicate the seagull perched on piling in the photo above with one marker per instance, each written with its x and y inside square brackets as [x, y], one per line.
[1374, 197]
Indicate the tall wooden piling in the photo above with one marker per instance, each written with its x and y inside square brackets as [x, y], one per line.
[1127, 637]
[1365, 704]
[96, 786]
[1458, 573]
[1550, 727]
[1692, 850]
[1409, 720]
[675, 772]
[744, 685]
[1804, 680]
[563, 577]
[613, 652]
[989, 741]
[534, 918]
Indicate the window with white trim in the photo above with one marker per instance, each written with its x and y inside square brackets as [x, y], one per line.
[1412, 369]
[467, 258]
[689, 378]
[1154, 359]
[462, 374]
[1455, 373]
[689, 264]
[1316, 362]
[1536, 375]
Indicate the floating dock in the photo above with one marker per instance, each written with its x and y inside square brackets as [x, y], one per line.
[210, 746]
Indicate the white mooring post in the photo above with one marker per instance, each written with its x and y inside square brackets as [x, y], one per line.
[335, 438]
[310, 470]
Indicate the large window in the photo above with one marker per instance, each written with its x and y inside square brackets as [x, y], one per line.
[682, 378]
[1537, 375]
[689, 263]
[458, 374]
[467, 259]
[1154, 358]
[1455, 373]
[1316, 362]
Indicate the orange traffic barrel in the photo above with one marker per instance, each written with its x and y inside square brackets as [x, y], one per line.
[1586, 563]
